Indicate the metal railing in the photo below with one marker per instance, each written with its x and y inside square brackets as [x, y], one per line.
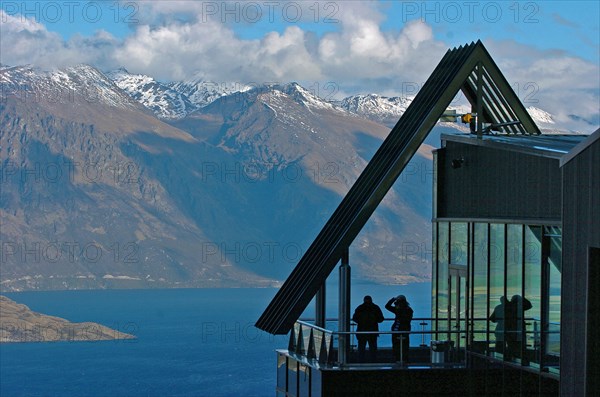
[320, 345]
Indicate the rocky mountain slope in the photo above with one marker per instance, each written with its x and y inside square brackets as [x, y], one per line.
[80, 206]
[121, 181]
[19, 324]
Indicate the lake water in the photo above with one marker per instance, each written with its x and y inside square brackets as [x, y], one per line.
[190, 342]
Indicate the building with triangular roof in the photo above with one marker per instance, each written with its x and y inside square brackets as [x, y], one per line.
[508, 301]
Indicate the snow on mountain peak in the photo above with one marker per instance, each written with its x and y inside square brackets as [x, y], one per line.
[374, 104]
[63, 85]
[385, 110]
[165, 102]
[540, 116]
[202, 93]
[172, 100]
[301, 96]
[388, 110]
[176, 100]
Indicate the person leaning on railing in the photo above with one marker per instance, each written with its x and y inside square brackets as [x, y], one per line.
[403, 316]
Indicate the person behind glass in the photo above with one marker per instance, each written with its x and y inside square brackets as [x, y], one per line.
[403, 316]
[515, 325]
[367, 317]
[498, 316]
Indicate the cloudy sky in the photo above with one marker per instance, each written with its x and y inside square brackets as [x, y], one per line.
[548, 50]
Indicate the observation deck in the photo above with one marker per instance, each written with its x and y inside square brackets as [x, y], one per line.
[314, 365]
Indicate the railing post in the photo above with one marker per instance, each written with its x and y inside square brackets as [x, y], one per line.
[344, 310]
[423, 324]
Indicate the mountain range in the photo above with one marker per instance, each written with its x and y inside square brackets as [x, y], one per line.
[116, 180]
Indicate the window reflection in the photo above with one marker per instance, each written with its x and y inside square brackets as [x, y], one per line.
[480, 293]
[503, 261]
[554, 263]
[533, 284]
[515, 312]
[443, 243]
[458, 245]
[434, 274]
[496, 288]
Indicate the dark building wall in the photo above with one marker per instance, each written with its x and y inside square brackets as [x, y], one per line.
[496, 183]
[580, 284]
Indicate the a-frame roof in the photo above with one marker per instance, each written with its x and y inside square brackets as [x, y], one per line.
[470, 69]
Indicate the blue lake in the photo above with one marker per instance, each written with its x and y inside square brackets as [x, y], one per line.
[190, 342]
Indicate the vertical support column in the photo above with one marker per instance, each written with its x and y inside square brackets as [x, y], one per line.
[320, 314]
[344, 309]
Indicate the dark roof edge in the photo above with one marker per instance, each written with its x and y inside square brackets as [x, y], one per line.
[471, 139]
[593, 137]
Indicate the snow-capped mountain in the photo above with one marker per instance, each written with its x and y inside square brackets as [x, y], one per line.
[164, 102]
[80, 83]
[387, 110]
[263, 166]
[201, 93]
[378, 108]
[176, 100]
[184, 203]
[172, 100]
[303, 96]
[540, 116]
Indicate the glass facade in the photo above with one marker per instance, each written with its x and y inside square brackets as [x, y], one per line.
[479, 291]
[532, 285]
[441, 312]
[499, 285]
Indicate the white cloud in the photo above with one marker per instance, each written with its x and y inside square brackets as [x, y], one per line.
[24, 41]
[179, 39]
[552, 80]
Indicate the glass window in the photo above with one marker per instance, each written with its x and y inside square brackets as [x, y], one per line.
[458, 247]
[514, 260]
[303, 380]
[553, 234]
[496, 279]
[315, 383]
[533, 282]
[281, 372]
[442, 279]
[434, 277]
[292, 377]
[480, 293]
[519, 261]
[514, 316]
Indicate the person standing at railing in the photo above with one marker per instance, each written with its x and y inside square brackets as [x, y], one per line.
[403, 316]
[498, 316]
[515, 326]
[367, 317]
[510, 327]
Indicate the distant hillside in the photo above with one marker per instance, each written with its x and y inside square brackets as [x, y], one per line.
[19, 324]
[120, 181]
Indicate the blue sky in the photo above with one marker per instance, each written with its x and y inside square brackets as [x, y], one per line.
[571, 26]
[375, 46]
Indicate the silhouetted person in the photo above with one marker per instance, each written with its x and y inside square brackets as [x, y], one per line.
[403, 316]
[498, 316]
[515, 326]
[367, 317]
